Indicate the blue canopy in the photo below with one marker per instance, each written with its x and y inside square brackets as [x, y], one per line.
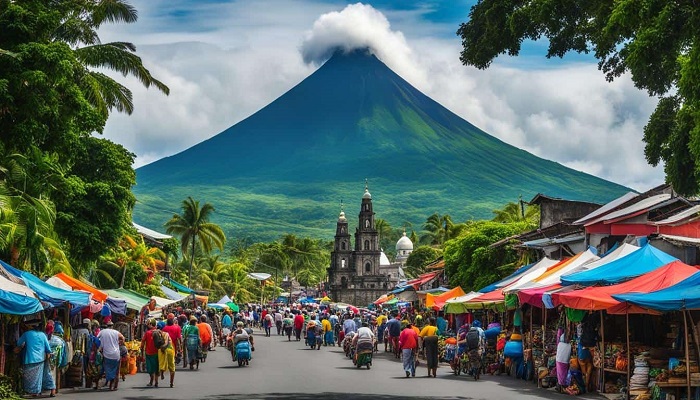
[46, 292]
[638, 262]
[17, 304]
[684, 295]
[496, 285]
[180, 287]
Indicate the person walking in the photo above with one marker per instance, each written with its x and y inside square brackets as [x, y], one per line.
[430, 344]
[288, 326]
[175, 333]
[36, 352]
[298, 325]
[408, 343]
[166, 357]
[394, 327]
[278, 322]
[148, 347]
[205, 335]
[109, 346]
[59, 358]
[268, 320]
[192, 342]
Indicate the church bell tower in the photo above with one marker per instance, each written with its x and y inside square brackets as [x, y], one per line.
[367, 251]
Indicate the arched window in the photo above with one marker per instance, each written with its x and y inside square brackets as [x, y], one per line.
[368, 267]
[366, 244]
[342, 245]
[344, 282]
[342, 263]
[366, 223]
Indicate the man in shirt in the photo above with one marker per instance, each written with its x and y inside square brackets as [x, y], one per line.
[151, 352]
[408, 343]
[278, 322]
[349, 326]
[109, 346]
[394, 326]
[298, 325]
[327, 331]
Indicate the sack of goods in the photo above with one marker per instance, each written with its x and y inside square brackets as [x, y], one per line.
[472, 339]
[513, 349]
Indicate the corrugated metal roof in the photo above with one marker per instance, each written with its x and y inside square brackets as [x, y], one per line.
[606, 208]
[641, 205]
[150, 233]
[692, 212]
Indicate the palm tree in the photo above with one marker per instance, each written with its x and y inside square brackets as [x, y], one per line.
[79, 29]
[194, 224]
[439, 229]
[130, 251]
[27, 237]
[515, 212]
[236, 282]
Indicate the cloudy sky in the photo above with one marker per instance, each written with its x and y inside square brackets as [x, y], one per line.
[225, 59]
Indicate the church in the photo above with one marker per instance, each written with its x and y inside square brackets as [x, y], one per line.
[361, 274]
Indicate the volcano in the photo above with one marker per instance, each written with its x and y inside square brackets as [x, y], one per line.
[286, 168]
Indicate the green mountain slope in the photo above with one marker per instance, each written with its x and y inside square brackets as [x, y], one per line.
[286, 168]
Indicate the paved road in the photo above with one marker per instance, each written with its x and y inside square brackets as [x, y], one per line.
[281, 369]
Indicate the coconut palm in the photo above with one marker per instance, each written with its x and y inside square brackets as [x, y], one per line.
[194, 224]
[517, 212]
[79, 29]
[130, 251]
[439, 229]
[27, 237]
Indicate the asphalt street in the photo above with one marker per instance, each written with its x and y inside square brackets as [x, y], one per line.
[282, 369]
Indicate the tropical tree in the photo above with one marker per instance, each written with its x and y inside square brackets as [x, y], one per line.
[419, 258]
[194, 224]
[27, 237]
[517, 212]
[130, 252]
[439, 229]
[237, 284]
[657, 42]
[79, 25]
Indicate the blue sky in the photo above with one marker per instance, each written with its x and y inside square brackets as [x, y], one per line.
[224, 60]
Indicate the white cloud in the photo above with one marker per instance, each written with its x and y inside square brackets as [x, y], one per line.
[225, 61]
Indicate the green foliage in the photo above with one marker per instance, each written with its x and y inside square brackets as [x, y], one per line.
[419, 258]
[517, 212]
[655, 41]
[472, 264]
[6, 390]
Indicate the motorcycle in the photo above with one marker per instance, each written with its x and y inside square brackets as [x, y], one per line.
[242, 353]
[363, 354]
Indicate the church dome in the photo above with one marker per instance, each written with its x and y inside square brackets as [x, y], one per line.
[367, 195]
[404, 243]
[341, 217]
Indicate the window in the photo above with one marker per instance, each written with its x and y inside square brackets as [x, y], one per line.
[344, 282]
[342, 245]
[366, 223]
[371, 286]
[342, 263]
[368, 267]
[366, 244]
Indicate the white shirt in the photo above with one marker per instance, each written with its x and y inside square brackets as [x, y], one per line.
[365, 333]
[109, 340]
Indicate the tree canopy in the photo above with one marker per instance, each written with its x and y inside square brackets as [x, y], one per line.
[656, 41]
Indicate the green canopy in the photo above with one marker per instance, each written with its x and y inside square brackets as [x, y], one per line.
[392, 302]
[134, 300]
[233, 306]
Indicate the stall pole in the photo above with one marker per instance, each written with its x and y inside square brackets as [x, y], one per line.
[696, 337]
[687, 355]
[629, 355]
[602, 356]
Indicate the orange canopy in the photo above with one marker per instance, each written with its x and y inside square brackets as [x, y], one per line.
[600, 297]
[439, 300]
[496, 295]
[97, 294]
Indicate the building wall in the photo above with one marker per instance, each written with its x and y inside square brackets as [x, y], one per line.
[554, 211]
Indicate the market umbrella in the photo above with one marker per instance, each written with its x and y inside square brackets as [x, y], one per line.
[233, 306]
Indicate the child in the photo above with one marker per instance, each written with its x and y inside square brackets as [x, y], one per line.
[124, 360]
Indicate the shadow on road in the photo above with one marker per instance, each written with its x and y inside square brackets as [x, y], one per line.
[306, 396]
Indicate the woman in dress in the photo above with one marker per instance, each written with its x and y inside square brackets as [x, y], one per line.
[37, 352]
[430, 345]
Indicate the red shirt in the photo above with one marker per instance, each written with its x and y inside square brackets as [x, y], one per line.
[150, 346]
[264, 314]
[174, 331]
[298, 321]
[408, 339]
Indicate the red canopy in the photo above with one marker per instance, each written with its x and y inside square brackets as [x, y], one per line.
[534, 296]
[422, 279]
[600, 297]
[496, 295]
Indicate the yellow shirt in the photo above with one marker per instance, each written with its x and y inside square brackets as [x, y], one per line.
[326, 325]
[381, 319]
[428, 331]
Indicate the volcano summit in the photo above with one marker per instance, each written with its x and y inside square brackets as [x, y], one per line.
[286, 168]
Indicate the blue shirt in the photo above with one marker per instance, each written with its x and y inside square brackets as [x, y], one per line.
[349, 326]
[441, 325]
[226, 321]
[394, 326]
[36, 346]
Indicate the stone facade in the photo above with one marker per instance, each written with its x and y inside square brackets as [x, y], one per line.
[354, 275]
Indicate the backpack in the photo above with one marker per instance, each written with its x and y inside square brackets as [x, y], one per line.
[473, 339]
[158, 340]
